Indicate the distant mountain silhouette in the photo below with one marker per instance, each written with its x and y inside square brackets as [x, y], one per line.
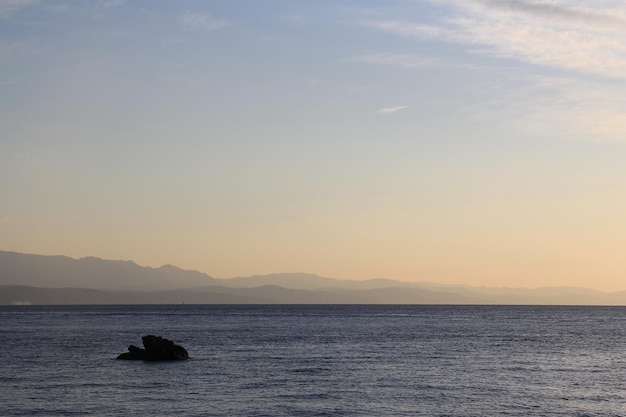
[38, 279]
[96, 273]
[303, 281]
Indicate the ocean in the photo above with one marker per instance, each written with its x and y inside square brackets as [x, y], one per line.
[320, 360]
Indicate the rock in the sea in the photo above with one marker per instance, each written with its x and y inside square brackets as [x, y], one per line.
[156, 348]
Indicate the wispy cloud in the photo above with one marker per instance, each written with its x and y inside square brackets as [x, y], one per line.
[388, 110]
[552, 106]
[293, 19]
[409, 29]
[580, 98]
[202, 22]
[8, 7]
[59, 8]
[589, 111]
[560, 13]
[560, 35]
[110, 3]
[397, 60]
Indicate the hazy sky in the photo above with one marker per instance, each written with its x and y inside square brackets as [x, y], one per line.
[478, 142]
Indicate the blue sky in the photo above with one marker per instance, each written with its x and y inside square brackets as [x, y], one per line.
[469, 141]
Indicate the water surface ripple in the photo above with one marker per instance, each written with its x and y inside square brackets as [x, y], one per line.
[316, 361]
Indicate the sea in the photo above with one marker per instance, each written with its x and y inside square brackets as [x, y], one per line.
[315, 360]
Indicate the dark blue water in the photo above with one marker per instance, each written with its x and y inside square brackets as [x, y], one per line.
[316, 361]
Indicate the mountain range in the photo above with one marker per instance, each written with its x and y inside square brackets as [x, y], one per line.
[39, 279]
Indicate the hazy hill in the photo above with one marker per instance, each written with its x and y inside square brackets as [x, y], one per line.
[302, 281]
[61, 280]
[61, 271]
[267, 294]
[96, 273]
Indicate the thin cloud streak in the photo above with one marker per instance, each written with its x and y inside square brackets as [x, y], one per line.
[8, 7]
[409, 29]
[408, 61]
[202, 22]
[614, 19]
[550, 106]
[110, 3]
[389, 110]
[586, 40]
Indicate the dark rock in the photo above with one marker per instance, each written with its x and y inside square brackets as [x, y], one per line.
[156, 348]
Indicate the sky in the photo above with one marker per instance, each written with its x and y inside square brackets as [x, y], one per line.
[475, 142]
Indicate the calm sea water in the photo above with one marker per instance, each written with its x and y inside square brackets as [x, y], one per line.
[316, 361]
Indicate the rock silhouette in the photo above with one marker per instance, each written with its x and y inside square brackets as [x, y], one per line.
[156, 348]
